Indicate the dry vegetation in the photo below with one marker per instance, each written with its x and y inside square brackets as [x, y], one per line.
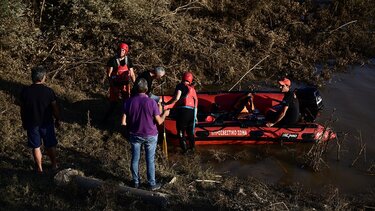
[218, 40]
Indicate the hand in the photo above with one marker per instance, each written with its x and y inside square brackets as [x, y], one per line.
[167, 112]
[270, 124]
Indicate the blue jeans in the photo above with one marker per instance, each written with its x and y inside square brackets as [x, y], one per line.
[150, 148]
[154, 97]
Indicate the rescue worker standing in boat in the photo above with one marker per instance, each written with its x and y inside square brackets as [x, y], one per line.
[119, 72]
[288, 114]
[186, 110]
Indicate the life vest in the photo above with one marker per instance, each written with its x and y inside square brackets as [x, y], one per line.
[122, 73]
[190, 100]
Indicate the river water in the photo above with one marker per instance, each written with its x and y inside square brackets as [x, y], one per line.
[349, 100]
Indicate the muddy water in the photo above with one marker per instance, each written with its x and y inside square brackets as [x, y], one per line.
[349, 100]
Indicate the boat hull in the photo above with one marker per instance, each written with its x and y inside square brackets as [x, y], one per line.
[249, 128]
[235, 133]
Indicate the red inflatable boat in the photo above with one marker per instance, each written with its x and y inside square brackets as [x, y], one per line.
[217, 124]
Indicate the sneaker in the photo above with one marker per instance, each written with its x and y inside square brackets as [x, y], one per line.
[157, 186]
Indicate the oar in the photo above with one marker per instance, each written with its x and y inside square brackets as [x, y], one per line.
[164, 146]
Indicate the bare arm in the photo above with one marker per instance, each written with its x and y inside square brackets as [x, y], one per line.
[160, 118]
[123, 120]
[175, 98]
[109, 71]
[132, 74]
[251, 100]
[281, 116]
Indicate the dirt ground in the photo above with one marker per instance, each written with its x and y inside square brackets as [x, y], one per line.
[219, 41]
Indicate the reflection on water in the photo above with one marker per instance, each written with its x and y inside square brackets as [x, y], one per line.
[352, 96]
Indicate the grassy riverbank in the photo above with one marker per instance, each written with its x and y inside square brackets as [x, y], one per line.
[100, 151]
[218, 41]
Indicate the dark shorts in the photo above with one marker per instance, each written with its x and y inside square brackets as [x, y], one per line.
[36, 134]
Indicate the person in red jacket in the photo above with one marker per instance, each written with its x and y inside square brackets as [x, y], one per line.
[186, 101]
[119, 72]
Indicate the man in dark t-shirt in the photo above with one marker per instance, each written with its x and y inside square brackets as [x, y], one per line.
[292, 113]
[38, 110]
[150, 76]
[289, 112]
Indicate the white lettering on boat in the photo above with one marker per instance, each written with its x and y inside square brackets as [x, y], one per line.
[289, 135]
[229, 133]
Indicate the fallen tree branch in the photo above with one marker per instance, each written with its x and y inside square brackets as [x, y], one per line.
[281, 203]
[50, 51]
[248, 72]
[4, 110]
[363, 149]
[185, 7]
[41, 11]
[57, 72]
[207, 180]
[342, 26]
[68, 176]
[258, 197]
[71, 65]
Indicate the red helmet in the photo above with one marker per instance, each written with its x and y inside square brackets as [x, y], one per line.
[124, 46]
[188, 76]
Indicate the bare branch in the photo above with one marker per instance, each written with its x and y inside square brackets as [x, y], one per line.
[186, 7]
[342, 26]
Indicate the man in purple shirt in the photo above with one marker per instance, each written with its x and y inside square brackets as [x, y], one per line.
[140, 116]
